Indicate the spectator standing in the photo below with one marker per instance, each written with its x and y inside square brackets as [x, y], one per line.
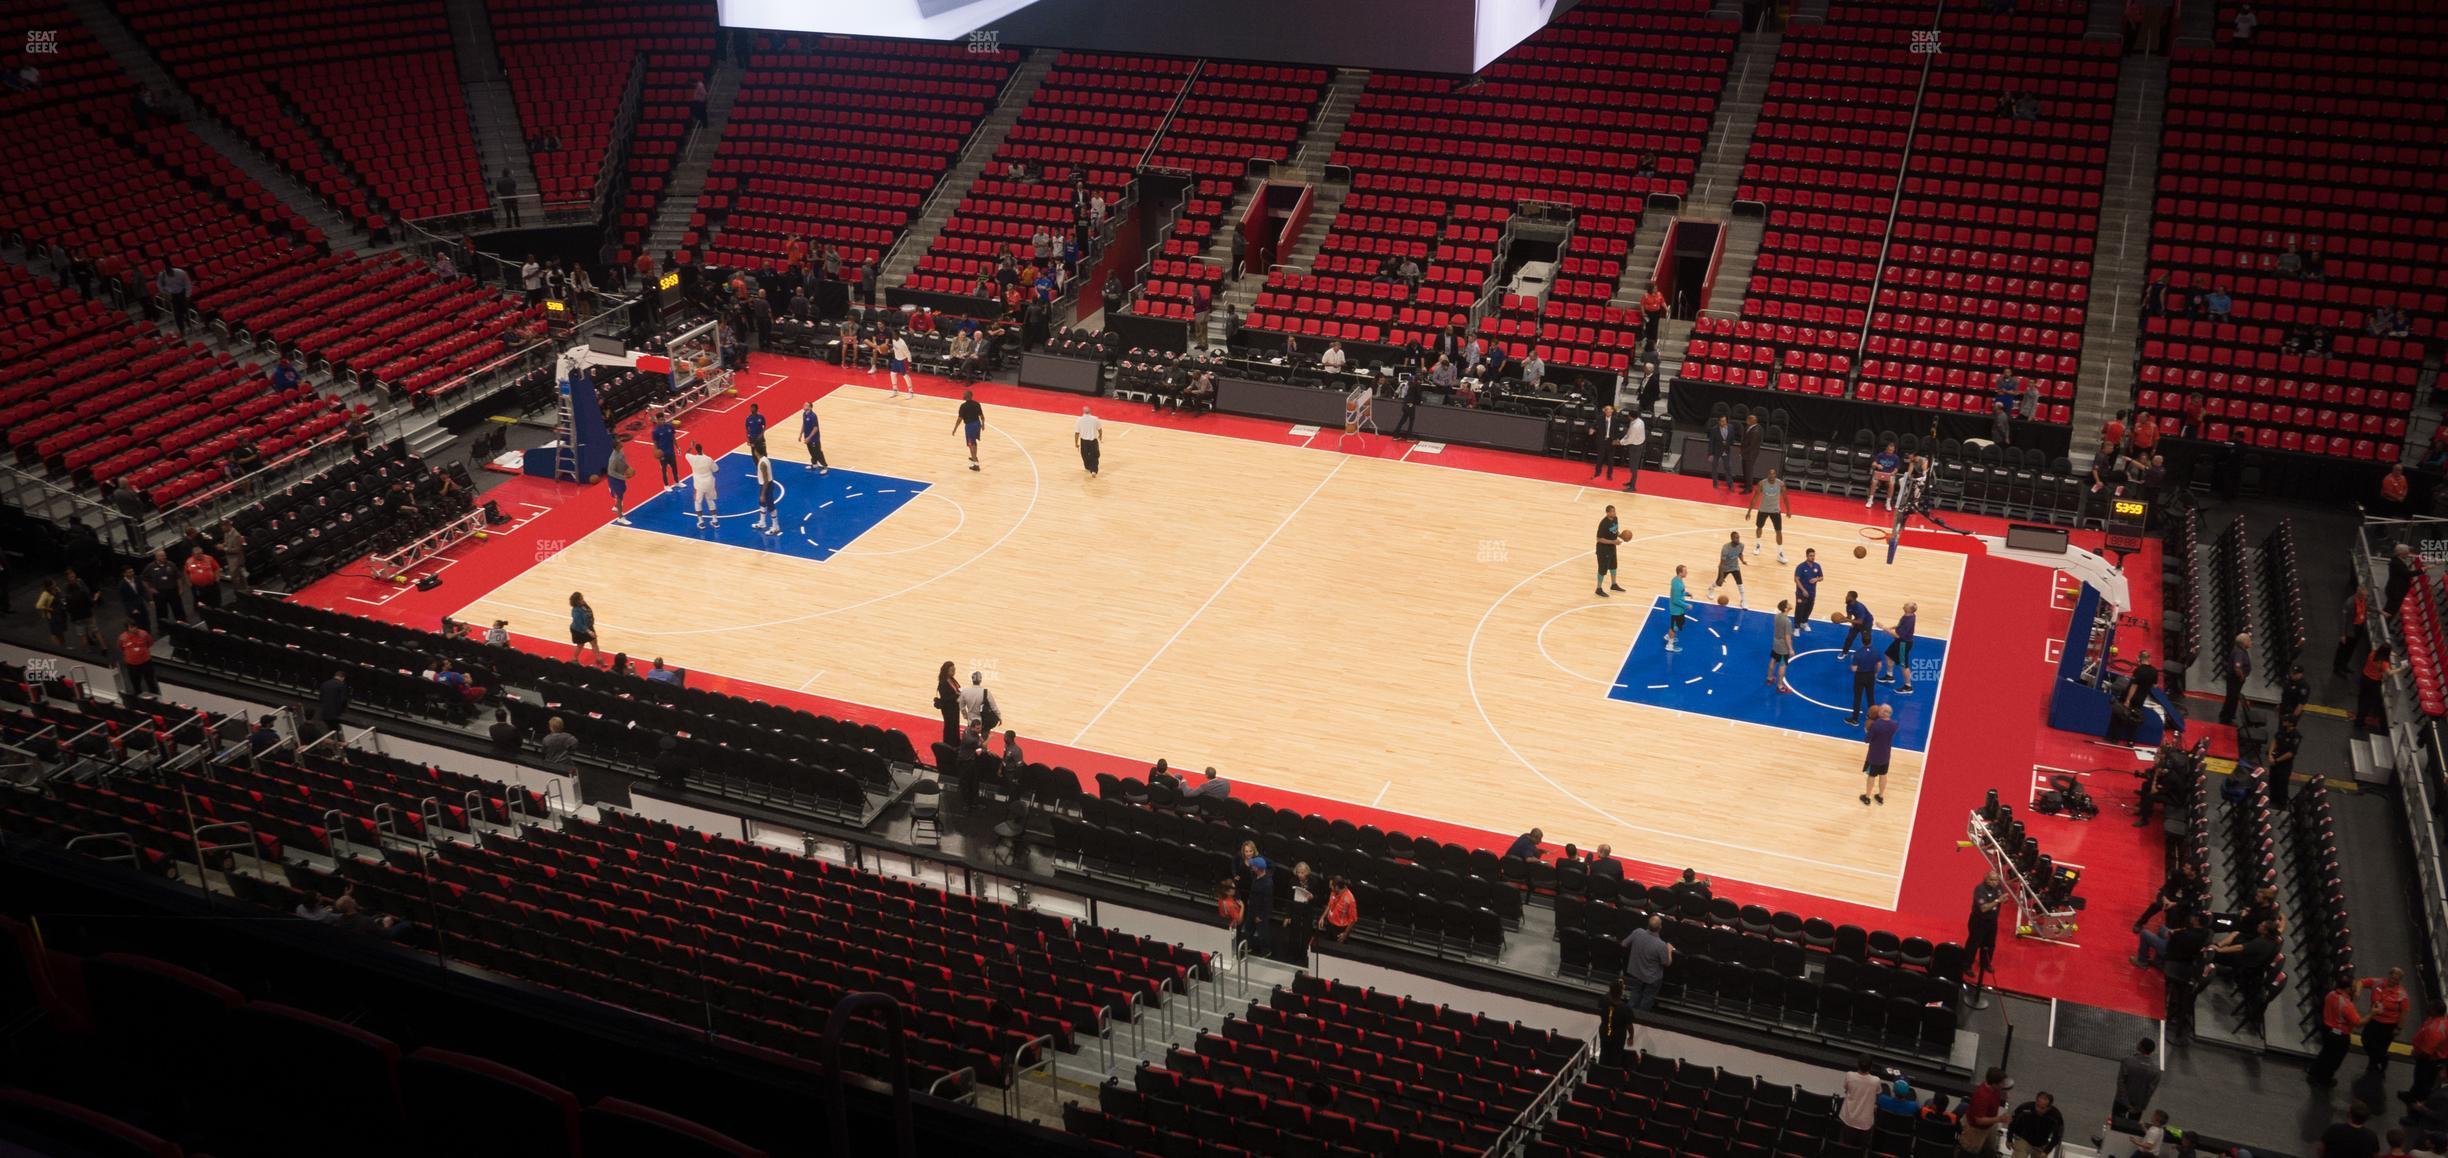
[1635, 443]
[505, 736]
[2237, 670]
[2355, 625]
[332, 700]
[697, 102]
[2393, 488]
[1984, 1111]
[559, 745]
[1342, 910]
[1230, 909]
[2352, 1138]
[1646, 957]
[1614, 1024]
[1721, 452]
[1261, 893]
[531, 279]
[136, 658]
[76, 600]
[948, 702]
[161, 580]
[2036, 1128]
[1980, 931]
[175, 288]
[1752, 432]
[505, 190]
[2137, 1081]
[1857, 1107]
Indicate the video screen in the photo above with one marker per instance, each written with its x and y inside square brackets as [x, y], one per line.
[1449, 36]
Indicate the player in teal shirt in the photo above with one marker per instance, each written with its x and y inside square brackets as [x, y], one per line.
[1678, 604]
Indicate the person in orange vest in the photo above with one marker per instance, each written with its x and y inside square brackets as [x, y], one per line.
[2339, 1019]
[2388, 1007]
[203, 579]
[136, 658]
[2430, 1050]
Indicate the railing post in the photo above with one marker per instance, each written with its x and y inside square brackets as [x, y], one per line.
[837, 1109]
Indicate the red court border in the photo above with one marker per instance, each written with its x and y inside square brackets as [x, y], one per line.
[1998, 712]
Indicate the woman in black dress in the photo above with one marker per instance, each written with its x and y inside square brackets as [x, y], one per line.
[947, 701]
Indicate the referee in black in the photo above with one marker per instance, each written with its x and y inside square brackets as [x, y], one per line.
[1610, 532]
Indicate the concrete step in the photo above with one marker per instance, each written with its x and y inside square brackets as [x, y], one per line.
[688, 175]
[955, 184]
[1737, 119]
[2119, 267]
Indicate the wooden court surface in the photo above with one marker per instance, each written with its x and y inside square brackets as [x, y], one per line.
[1390, 633]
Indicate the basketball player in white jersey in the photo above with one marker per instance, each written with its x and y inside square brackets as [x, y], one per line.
[901, 380]
[768, 493]
[701, 473]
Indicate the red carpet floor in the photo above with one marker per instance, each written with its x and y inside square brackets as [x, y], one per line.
[1995, 697]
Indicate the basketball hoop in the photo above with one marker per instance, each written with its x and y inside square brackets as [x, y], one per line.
[1874, 534]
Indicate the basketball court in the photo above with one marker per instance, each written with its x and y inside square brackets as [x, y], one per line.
[1400, 633]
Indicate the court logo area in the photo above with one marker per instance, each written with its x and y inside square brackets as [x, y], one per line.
[820, 513]
[1722, 671]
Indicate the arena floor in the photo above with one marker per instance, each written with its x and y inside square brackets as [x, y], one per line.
[1401, 634]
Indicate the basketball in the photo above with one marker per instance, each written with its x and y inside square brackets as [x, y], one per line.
[1836, 617]
[1623, 536]
[593, 479]
[1722, 600]
[1860, 552]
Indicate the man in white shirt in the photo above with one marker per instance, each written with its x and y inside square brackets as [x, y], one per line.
[1859, 1110]
[1332, 360]
[531, 276]
[1631, 445]
[701, 473]
[1089, 434]
[973, 702]
[175, 287]
[1534, 371]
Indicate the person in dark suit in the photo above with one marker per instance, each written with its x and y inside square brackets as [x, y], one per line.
[2132, 701]
[947, 701]
[506, 737]
[1606, 865]
[1751, 435]
[333, 700]
[1721, 452]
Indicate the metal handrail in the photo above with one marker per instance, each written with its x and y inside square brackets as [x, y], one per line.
[253, 850]
[1173, 110]
[837, 1109]
[1045, 1064]
[967, 1073]
[121, 837]
[616, 155]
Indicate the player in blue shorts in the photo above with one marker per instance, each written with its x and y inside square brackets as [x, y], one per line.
[971, 422]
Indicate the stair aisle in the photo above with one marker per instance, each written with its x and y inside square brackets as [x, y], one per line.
[1308, 164]
[501, 142]
[940, 205]
[2120, 261]
[688, 174]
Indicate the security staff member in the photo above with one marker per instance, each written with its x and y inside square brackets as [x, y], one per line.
[1980, 932]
